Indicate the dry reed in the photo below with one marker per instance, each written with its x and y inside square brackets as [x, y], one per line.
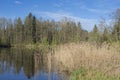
[73, 56]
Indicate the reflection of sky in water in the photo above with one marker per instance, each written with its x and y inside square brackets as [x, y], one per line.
[20, 65]
[45, 76]
[10, 75]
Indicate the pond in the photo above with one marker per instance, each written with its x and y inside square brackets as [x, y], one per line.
[22, 64]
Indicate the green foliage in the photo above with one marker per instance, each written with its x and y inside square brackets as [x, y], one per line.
[94, 36]
[116, 31]
[49, 32]
[106, 36]
[18, 31]
[49, 37]
[78, 73]
[34, 29]
[85, 74]
[28, 25]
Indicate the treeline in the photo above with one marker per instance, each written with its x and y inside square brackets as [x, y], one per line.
[33, 30]
[107, 32]
[22, 58]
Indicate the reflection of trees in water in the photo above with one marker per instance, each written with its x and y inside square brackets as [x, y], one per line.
[3, 59]
[31, 61]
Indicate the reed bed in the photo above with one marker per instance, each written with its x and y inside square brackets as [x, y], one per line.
[104, 58]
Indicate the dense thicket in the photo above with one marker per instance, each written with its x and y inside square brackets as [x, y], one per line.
[33, 30]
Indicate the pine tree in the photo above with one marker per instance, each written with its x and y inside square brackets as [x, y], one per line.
[105, 36]
[18, 31]
[94, 35]
[34, 29]
[28, 25]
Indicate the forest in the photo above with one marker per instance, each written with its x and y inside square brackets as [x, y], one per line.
[33, 30]
[66, 46]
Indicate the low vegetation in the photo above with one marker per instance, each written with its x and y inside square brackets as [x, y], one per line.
[49, 32]
[96, 51]
[87, 74]
[98, 63]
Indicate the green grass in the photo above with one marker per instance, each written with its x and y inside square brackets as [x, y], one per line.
[84, 74]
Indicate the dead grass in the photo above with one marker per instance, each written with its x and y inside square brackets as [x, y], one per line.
[72, 56]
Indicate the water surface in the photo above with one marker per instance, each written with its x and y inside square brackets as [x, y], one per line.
[22, 64]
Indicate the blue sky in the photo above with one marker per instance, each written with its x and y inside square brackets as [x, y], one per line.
[88, 12]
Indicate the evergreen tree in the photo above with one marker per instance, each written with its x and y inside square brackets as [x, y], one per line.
[18, 31]
[28, 25]
[105, 35]
[94, 35]
[116, 31]
[34, 29]
[79, 32]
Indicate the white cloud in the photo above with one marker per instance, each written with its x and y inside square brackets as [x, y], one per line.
[98, 11]
[57, 15]
[87, 23]
[95, 10]
[17, 2]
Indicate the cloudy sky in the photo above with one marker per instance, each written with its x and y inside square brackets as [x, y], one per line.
[88, 12]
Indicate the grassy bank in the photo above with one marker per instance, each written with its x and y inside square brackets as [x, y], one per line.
[33, 46]
[104, 59]
[89, 74]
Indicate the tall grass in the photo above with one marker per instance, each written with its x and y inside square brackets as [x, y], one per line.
[105, 58]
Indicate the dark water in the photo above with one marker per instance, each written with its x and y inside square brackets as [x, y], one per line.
[21, 64]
